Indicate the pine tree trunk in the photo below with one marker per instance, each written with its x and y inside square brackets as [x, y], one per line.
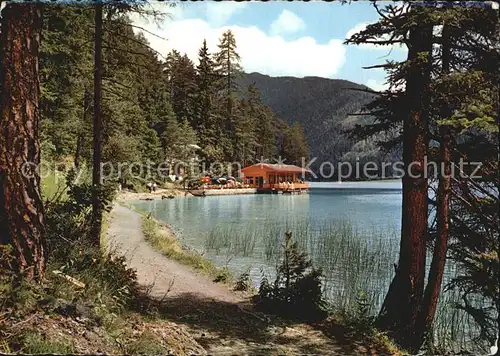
[436, 271]
[21, 210]
[399, 314]
[78, 150]
[81, 136]
[96, 171]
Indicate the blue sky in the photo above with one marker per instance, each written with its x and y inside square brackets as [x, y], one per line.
[279, 38]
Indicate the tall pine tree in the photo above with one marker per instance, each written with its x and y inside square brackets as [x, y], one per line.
[208, 123]
[21, 210]
[448, 98]
[228, 69]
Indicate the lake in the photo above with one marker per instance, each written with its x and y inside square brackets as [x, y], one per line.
[351, 230]
[332, 223]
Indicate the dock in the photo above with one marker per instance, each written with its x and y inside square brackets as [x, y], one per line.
[282, 191]
[238, 191]
[262, 178]
[222, 191]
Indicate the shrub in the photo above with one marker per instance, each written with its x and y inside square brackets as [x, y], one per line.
[68, 220]
[296, 291]
[361, 319]
[223, 275]
[244, 282]
[68, 230]
[110, 286]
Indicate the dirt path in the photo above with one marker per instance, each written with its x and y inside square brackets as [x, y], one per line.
[167, 277]
[223, 322]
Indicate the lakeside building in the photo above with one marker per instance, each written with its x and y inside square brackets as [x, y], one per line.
[276, 177]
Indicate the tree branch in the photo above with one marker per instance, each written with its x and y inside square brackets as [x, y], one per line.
[140, 28]
[139, 42]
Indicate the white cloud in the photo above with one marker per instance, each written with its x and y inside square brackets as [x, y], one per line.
[260, 52]
[287, 22]
[377, 85]
[358, 28]
[218, 13]
[382, 85]
[362, 26]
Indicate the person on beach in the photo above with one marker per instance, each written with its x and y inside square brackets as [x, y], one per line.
[150, 187]
[154, 187]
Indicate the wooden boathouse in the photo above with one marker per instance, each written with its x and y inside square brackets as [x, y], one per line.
[276, 178]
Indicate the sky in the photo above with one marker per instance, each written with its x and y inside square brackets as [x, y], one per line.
[277, 38]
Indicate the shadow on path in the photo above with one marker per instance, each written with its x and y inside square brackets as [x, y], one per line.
[236, 328]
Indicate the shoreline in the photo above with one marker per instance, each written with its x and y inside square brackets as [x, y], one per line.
[238, 304]
[163, 193]
[161, 236]
[173, 193]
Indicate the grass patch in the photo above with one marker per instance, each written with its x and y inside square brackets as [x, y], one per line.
[53, 186]
[362, 339]
[147, 344]
[109, 314]
[168, 245]
[104, 229]
[35, 343]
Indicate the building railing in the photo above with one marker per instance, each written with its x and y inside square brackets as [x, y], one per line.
[285, 186]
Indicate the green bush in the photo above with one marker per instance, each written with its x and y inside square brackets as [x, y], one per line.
[296, 291]
[68, 229]
[69, 220]
[360, 319]
[223, 275]
[244, 282]
[107, 278]
[17, 296]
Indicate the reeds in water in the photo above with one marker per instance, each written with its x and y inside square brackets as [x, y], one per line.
[354, 261]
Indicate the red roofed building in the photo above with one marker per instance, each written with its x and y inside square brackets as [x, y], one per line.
[284, 177]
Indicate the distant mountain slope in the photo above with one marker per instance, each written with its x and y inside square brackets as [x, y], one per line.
[320, 105]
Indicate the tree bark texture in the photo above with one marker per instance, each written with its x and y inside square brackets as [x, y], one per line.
[21, 207]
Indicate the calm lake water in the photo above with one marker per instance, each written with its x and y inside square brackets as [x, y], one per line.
[244, 232]
[365, 204]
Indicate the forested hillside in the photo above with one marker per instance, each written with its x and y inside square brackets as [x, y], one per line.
[325, 108]
[153, 106]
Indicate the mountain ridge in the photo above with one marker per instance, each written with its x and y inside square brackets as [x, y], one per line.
[324, 107]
